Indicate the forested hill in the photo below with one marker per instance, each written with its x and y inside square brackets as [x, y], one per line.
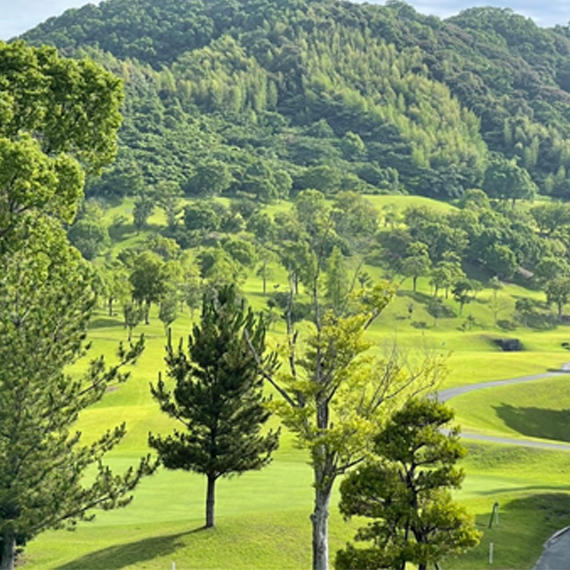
[258, 96]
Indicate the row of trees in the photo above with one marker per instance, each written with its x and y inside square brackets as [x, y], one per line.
[501, 239]
[214, 390]
[207, 243]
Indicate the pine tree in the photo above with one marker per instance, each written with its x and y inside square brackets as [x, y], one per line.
[46, 301]
[217, 396]
[405, 492]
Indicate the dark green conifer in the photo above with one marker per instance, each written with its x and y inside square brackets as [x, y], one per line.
[217, 396]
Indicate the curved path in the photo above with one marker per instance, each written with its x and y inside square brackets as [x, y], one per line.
[445, 395]
[556, 554]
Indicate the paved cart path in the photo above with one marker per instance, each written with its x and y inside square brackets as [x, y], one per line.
[556, 554]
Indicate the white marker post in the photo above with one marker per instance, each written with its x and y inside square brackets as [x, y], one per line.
[491, 552]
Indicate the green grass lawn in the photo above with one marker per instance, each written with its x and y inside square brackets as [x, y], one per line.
[536, 410]
[263, 517]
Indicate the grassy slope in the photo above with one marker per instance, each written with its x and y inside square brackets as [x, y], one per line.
[263, 517]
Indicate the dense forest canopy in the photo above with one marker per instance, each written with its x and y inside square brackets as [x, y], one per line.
[331, 95]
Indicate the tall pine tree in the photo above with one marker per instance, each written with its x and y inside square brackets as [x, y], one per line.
[217, 396]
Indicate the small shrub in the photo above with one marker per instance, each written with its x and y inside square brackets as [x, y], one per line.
[507, 325]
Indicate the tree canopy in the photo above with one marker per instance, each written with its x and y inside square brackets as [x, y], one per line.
[259, 98]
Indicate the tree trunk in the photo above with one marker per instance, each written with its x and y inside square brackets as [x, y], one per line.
[210, 501]
[110, 306]
[320, 520]
[8, 551]
[414, 281]
[147, 314]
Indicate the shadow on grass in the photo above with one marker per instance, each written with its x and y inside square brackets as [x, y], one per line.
[119, 233]
[105, 322]
[417, 296]
[536, 422]
[130, 554]
[525, 523]
[550, 506]
[522, 489]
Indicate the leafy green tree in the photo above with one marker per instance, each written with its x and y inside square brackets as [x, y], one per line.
[551, 218]
[43, 147]
[550, 268]
[124, 178]
[58, 120]
[89, 237]
[168, 196]
[495, 285]
[201, 216]
[217, 396]
[501, 260]
[355, 221]
[167, 248]
[142, 210]
[336, 281]
[168, 310]
[149, 281]
[133, 314]
[242, 251]
[474, 199]
[416, 263]
[325, 391]
[324, 178]
[115, 285]
[506, 180]
[558, 292]
[441, 277]
[218, 267]
[265, 271]
[211, 178]
[462, 293]
[436, 309]
[524, 309]
[283, 183]
[191, 290]
[405, 491]
[352, 146]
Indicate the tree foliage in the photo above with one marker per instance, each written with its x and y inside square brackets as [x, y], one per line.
[58, 120]
[217, 396]
[46, 303]
[334, 97]
[406, 493]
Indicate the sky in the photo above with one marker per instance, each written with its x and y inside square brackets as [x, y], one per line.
[17, 16]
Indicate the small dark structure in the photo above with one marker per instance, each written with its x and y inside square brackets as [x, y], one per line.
[509, 344]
